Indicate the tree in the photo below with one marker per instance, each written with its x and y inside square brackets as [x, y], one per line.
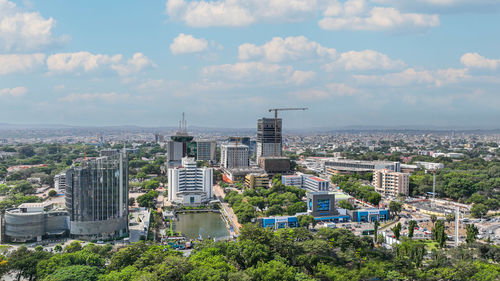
[151, 185]
[306, 220]
[147, 200]
[271, 271]
[58, 248]
[439, 234]
[25, 261]
[471, 233]
[450, 217]
[433, 219]
[74, 246]
[131, 201]
[395, 207]
[375, 231]
[75, 272]
[344, 204]
[52, 193]
[411, 228]
[397, 230]
[478, 210]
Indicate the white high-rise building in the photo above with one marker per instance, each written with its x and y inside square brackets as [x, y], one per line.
[389, 183]
[190, 185]
[234, 156]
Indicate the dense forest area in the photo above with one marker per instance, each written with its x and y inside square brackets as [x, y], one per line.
[261, 255]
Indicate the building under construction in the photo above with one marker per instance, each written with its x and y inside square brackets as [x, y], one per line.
[97, 197]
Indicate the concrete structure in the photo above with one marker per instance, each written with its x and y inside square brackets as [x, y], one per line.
[339, 196]
[269, 139]
[257, 180]
[109, 152]
[389, 183]
[97, 197]
[181, 145]
[368, 215]
[278, 222]
[275, 165]
[307, 182]
[238, 174]
[190, 185]
[429, 165]
[34, 222]
[292, 180]
[205, 150]
[346, 166]
[60, 182]
[234, 156]
[321, 204]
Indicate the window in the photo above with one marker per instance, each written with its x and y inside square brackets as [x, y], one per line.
[191, 200]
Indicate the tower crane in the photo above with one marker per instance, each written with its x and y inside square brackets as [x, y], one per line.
[276, 123]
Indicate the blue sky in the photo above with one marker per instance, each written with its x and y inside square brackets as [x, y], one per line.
[225, 62]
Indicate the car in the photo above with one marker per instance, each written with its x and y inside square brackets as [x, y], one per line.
[100, 242]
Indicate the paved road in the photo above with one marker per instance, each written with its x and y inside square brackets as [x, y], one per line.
[219, 193]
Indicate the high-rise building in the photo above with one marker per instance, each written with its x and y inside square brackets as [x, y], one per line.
[234, 156]
[188, 184]
[205, 150]
[389, 183]
[181, 145]
[97, 197]
[269, 139]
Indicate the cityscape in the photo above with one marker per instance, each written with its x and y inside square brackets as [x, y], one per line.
[249, 140]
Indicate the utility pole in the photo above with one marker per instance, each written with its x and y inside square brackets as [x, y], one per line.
[457, 221]
[276, 124]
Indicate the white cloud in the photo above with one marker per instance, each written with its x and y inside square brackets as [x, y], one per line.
[107, 97]
[290, 48]
[185, 43]
[24, 30]
[134, 65]
[411, 76]
[20, 63]
[248, 71]
[364, 60]
[301, 77]
[475, 60]
[69, 62]
[87, 62]
[328, 91]
[240, 12]
[356, 15]
[13, 92]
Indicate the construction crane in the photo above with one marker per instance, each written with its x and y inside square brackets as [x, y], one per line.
[276, 123]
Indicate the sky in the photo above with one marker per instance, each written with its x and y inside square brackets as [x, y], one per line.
[224, 63]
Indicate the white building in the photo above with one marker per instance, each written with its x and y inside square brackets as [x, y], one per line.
[234, 156]
[190, 185]
[307, 182]
[60, 182]
[389, 183]
[429, 165]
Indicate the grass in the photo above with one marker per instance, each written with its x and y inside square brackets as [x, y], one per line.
[430, 245]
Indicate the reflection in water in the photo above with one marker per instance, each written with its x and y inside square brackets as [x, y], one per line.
[193, 225]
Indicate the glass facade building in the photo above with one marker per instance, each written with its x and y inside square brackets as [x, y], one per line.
[97, 197]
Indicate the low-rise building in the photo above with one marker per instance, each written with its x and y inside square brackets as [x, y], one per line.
[307, 182]
[34, 222]
[346, 166]
[257, 180]
[275, 165]
[368, 215]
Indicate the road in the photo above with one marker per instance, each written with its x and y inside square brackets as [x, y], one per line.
[219, 193]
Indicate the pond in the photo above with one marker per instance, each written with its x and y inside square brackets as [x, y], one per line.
[192, 225]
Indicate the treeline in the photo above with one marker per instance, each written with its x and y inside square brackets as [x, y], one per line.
[351, 185]
[260, 255]
[278, 200]
[469, 181]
